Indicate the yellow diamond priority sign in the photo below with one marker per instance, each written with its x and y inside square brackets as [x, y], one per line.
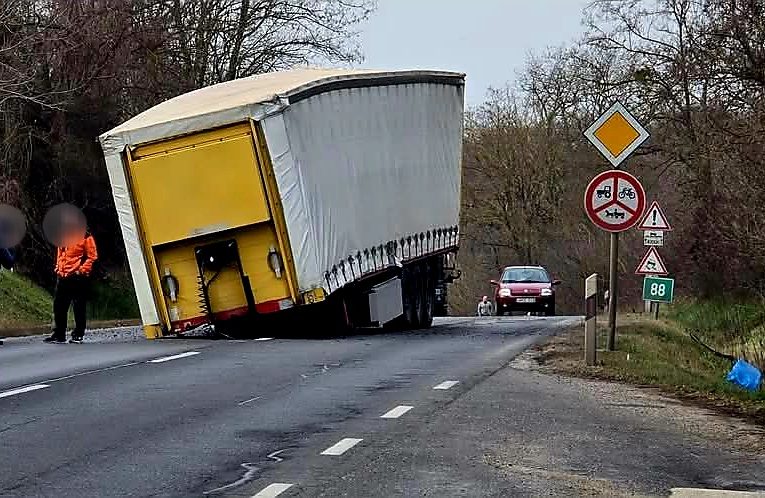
[616, 134]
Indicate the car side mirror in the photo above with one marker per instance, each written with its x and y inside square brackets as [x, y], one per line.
[556, 282]
[494, 282]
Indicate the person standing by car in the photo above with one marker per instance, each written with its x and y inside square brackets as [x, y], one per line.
[485, 307]
[74, 263]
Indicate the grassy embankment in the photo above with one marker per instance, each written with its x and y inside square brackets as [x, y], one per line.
[662, 354]
[27, 308]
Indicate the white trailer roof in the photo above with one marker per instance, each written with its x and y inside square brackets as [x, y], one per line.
[252, 97]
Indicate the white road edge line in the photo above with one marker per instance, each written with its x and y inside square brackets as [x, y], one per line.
[173, 357]
[273, 490]
[397, 412]
[342, 446]
[250, 400]
[22, 390]
[264, 339]
[443, 386]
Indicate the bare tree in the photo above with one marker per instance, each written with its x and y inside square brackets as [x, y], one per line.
[217, 40]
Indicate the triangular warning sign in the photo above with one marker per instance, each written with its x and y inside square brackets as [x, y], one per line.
[655, 219]
[651, 264]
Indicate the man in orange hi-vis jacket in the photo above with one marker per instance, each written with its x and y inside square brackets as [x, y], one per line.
[74, 262]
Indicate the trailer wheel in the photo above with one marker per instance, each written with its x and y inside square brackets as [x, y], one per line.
[410, 298]
[427, 297]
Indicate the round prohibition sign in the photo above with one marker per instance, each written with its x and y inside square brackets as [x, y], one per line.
[615, 201]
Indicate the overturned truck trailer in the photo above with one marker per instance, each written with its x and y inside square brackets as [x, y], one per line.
[288, 189]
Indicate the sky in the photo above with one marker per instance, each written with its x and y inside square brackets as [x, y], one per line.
[488, 40]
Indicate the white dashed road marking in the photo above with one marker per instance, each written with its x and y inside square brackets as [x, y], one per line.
[22, 390]
[250, 400]
[446, 385]
[264, 339]
[397, 412]
[341, 447]
[174, 357]
[273, 490]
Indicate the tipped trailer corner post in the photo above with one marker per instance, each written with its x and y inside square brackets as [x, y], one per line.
[292, 188]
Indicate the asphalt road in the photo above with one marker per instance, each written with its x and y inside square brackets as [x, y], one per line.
[393, 414]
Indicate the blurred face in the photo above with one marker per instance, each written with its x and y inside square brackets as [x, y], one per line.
[64, 225]
[12, 226]
[72, 229]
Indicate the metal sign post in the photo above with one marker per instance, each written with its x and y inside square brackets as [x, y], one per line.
[614, 201]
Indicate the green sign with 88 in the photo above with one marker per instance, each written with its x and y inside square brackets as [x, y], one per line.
[659, 289]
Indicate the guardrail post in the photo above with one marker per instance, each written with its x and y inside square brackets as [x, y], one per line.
[590, 319]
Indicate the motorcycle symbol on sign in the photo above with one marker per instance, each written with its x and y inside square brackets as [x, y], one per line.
[628, 192]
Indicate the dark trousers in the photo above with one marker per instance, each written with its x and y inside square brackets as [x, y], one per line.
[72, 291]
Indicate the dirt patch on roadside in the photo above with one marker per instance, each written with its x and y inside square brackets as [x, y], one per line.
[699, 414]
[556, 482]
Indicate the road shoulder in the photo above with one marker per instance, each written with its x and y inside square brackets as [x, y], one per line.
[525, 432]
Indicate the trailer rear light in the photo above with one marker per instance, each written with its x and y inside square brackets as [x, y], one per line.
[170, 286]
[275, 262]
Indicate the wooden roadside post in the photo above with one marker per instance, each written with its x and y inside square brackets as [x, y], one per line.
[590, 319]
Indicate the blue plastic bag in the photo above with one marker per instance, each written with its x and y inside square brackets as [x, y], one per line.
[745, 375]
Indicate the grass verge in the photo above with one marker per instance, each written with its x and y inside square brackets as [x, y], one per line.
[22, 303]
[27, 309]
[657, 354]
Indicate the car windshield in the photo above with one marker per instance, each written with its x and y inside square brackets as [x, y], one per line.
[525, 275]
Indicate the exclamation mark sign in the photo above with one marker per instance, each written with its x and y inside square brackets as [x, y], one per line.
[654, 217]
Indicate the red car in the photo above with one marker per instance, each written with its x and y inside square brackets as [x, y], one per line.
[525, 288]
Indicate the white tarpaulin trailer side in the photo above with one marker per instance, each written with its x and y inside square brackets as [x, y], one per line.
[363, 160]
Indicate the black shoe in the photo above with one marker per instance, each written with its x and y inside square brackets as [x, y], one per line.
[53, 339]
[75, 340]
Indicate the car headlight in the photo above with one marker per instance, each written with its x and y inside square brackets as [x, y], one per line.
[547, 292]
[504, 292]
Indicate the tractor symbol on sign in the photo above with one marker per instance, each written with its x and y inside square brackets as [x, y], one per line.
[615, 214]
[628, 192]
[605, 192]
